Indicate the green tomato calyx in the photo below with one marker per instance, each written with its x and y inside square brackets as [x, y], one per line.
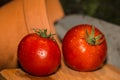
[43, 33]
[92, 39]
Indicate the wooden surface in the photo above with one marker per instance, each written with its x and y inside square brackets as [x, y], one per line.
[18, 18]
[107, 72]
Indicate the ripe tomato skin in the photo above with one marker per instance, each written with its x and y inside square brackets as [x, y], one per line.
[38, 56]
[80, 55]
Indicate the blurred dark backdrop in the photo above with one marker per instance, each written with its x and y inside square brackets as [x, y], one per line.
[108, 10]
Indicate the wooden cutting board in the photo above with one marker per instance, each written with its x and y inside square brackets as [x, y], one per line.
[107, 72]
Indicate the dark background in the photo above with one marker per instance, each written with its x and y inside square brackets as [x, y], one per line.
[108, 10]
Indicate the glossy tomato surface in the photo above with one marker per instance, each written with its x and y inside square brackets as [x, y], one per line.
[38, 56]
[78, 53]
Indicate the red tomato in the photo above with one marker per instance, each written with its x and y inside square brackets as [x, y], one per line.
[38, 55]
[84, 48]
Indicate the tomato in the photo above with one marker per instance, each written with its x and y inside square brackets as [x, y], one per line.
[84, 48]
[38, 54]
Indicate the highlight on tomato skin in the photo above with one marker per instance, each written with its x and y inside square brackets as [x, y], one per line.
[84, 48]
[38, 55]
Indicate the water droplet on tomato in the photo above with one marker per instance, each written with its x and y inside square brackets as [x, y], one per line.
[42, 53]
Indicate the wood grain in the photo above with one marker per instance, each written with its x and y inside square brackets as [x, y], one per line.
[18, 18]
[107, 72]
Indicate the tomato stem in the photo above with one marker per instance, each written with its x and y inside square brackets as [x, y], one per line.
[92, 39]
[43, 33]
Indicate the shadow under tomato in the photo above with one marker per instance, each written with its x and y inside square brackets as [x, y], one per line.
[19, 66]
[104, 63]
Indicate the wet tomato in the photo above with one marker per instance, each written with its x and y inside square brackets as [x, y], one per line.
[39, 54]
[84, 48]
